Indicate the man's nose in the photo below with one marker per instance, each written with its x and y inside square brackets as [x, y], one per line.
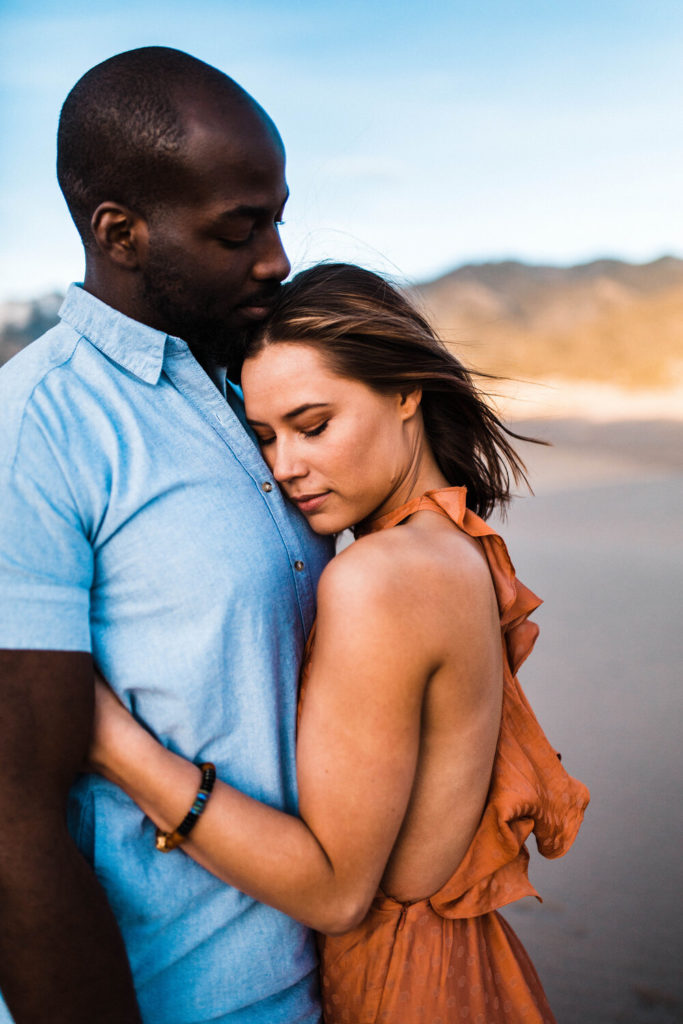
[272, 263]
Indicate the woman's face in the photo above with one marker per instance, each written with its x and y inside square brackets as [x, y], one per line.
[340, 450]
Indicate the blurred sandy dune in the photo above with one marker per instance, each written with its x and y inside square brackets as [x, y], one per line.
[602, 543]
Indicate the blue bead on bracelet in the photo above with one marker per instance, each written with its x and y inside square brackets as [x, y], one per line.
[167, 841]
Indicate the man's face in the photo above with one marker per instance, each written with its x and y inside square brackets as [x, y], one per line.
[215, 260]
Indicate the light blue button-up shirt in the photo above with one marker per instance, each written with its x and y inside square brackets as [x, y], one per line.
[138, 520]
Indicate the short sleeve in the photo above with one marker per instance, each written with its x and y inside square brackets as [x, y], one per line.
[46, 564]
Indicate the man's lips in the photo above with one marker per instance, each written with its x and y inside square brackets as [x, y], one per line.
[309, 502]
[257, 306]
[255, 310]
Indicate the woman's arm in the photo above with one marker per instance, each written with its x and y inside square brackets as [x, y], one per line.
[356, 759]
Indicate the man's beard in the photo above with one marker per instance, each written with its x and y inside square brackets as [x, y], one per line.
[224, 346]
[208, 336]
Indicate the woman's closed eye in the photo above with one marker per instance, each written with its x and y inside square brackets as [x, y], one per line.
[265, 439]
[316, 431]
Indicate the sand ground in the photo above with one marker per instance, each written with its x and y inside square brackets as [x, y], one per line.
[602, 543]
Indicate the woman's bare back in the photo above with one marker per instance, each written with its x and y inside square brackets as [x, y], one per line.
[453, 593]
[440, 659]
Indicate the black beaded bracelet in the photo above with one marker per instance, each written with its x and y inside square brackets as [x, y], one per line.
[167, 841]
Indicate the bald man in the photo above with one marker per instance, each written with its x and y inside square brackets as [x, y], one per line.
[140, 530]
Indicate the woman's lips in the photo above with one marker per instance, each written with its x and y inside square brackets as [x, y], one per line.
[309, 502]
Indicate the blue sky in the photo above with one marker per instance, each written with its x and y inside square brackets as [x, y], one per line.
[419, 135]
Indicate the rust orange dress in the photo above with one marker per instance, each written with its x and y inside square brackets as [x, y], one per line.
[451, 957]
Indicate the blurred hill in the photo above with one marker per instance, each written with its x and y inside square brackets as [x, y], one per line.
[22, 322]
[607, 322]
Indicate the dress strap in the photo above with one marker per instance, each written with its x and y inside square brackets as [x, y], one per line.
[458, 496]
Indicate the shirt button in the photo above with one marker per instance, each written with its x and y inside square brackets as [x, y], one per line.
[299, 566]
[267, 486]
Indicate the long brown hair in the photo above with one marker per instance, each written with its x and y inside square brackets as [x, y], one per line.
[368, 331]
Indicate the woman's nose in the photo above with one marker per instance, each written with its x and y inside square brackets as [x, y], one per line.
[287, 464]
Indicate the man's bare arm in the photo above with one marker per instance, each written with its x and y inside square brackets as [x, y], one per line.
[62, 959]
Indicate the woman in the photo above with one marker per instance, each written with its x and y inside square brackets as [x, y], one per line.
[421, 767]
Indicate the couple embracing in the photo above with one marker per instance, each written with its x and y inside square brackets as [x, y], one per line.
[200, 771]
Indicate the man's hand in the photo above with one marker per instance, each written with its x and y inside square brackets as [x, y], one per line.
[62, 960]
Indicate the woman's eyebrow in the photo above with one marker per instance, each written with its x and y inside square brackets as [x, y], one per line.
[304, 408]
[291, 415]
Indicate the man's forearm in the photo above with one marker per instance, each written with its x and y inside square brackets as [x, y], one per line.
[62, 959]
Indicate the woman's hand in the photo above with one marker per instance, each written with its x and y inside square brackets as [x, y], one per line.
[114, 730]
[124, 752]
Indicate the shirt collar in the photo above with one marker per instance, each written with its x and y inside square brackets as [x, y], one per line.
[132, 345]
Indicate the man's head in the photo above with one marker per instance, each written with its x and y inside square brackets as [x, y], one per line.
[174, 177]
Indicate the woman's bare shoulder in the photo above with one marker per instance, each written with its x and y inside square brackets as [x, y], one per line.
[413, 598]
[369, 621]
[367, 571]
[423, 561]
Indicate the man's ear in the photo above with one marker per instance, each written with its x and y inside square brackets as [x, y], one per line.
[410, 402]
[121, 234]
